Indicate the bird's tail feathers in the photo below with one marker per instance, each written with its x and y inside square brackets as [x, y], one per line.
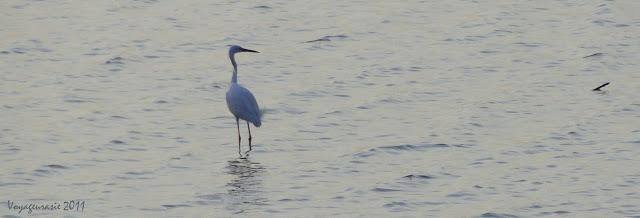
[263, 111]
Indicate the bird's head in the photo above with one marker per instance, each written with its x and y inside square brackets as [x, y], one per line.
[235, 49]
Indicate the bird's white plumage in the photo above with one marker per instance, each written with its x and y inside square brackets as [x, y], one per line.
[243, 105]
[240, 100]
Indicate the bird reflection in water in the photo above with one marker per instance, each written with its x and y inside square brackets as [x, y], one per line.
[245, 188]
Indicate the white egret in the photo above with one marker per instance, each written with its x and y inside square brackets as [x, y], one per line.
[240, 100]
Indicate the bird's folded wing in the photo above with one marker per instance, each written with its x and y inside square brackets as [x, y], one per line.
[243, 104]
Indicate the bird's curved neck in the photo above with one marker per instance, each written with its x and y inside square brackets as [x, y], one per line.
[234, 77]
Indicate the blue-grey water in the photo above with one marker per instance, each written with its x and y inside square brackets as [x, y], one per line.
[373, 108]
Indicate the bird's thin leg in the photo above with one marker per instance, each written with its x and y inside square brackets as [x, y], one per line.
[239, 139]
[249, 128]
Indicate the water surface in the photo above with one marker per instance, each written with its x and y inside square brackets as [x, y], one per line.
[414, 108]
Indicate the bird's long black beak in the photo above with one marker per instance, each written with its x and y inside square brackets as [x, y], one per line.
[248, 50]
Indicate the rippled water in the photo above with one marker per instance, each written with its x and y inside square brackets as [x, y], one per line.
[414, 108]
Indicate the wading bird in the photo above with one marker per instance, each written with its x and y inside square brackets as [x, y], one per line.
[240, 101]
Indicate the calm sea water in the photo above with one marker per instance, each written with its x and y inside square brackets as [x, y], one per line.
[395, 108]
